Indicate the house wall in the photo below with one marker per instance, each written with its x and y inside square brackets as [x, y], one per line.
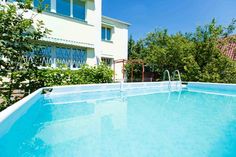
[88, 33]
[68, 28]
[117, 48]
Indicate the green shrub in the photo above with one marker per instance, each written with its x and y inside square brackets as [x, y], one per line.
[31, 80]
[59, 77]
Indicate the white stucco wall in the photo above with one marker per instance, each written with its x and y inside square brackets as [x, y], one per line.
[118, 47]
[67, 28]
[88, 33]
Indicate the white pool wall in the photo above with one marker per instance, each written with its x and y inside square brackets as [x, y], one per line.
[11, 114]
[212, 86]
[112, 86]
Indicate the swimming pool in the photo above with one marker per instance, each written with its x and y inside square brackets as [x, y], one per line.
[139, 120]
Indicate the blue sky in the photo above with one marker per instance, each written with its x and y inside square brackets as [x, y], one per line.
[175, 15]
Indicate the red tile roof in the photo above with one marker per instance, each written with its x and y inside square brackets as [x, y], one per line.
[230, 48]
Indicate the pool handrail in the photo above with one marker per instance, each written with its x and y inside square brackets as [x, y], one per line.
[174, 75]
[168, 74]
[176, 72]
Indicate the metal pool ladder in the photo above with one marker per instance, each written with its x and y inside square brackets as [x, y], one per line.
[176, 72]
[166, 72]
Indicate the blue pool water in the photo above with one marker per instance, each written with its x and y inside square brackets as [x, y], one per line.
[114, 124]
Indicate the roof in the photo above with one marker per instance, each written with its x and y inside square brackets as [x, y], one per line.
[67, 42]
[230, 48]
[116, 20]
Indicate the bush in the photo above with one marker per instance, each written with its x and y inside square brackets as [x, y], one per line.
[59, 77]
[29, 81]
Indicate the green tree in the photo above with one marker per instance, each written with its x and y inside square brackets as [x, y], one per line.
[19, 35]
[131, 45]
[214, 65]
[197, 55]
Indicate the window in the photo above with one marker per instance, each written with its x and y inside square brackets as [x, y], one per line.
[63, 7]
[44, 4]
[63, 57]
[106, 34]
[103, 33]
[76, 9]
[107, 61]
[79, 57]
[46, 56]
[79, 9]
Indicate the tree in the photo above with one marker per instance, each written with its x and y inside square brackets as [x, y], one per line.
[131, 44]
[197, 55]
[19, 35]
[214, 65]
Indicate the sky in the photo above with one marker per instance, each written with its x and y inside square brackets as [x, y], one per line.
[174, 15]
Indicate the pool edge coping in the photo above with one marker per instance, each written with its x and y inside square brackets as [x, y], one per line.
[14, 107]
[210, 83]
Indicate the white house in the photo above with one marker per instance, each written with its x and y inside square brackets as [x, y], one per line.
[80, 34]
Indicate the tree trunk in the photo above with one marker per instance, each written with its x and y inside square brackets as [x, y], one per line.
[9, 100]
